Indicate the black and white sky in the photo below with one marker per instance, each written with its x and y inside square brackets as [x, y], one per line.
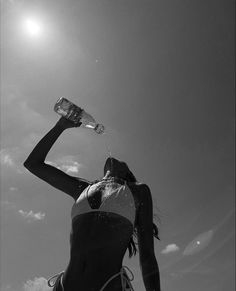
[160, 76]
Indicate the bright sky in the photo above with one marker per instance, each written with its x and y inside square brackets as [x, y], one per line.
[160, 76]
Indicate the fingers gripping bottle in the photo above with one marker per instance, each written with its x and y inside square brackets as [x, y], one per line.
[76, 114]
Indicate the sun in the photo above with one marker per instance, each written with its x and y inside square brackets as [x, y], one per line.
[32, 27]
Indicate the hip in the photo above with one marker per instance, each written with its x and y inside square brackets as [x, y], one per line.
[120, 281]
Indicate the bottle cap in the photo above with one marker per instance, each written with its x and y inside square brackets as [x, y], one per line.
[99, 128]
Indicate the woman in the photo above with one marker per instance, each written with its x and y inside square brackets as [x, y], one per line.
[105, 215]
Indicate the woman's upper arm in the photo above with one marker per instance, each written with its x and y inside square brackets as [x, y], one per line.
[72, 186]
[145, 224]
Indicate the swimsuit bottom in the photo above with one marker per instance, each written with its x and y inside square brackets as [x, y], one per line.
[56, 281]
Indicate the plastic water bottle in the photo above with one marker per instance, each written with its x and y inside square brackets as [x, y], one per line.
[69, 110]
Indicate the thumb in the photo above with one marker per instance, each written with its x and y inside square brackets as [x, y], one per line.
[78, 124]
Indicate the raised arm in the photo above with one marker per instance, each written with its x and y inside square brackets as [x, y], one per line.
[35, 162]
[148, 262]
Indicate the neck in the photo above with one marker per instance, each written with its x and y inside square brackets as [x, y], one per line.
[111, 177]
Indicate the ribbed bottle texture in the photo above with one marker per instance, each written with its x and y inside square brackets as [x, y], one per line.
[69, 110]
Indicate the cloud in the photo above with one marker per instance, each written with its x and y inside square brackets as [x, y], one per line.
[12, 158]
[67, 164]
[12, 189]
[31, 216]
[73, 168]
[170, 249]
[9, 158]
[199, 243]
[6, 158]
[38, 284]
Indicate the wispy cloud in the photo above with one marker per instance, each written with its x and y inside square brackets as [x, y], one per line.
[199, 243]
[31, 216]
[38, 284]
[9, 158]
[67, 164]
[6, 158]
[13, 189]
[73, 168]
[170, 249]
[12, 158]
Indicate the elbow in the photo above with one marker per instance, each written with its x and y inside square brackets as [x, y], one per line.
[26, 164]
[29, 165]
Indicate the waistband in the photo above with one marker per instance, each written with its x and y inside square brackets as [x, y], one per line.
[55, 278]
[125, 279]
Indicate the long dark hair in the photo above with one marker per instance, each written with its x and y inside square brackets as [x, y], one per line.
[130, 178]
[132, 244]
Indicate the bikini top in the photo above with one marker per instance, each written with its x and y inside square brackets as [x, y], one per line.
[114, 197]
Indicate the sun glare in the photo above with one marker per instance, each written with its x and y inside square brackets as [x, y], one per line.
[32, 27]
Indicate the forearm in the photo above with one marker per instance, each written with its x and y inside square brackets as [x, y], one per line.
[39, 153]
[151, 275]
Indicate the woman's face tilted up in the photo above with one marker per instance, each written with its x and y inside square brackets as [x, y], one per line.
[115, 168]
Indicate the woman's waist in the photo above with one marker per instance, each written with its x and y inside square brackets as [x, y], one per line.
[98, 251]
[89, 267]
[108, 275]
[80, 273]
[89, 260]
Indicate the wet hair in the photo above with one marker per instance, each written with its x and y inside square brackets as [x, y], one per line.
[133, 243]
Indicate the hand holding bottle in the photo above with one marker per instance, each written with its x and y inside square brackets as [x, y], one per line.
[76, 115]
[65, 123]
